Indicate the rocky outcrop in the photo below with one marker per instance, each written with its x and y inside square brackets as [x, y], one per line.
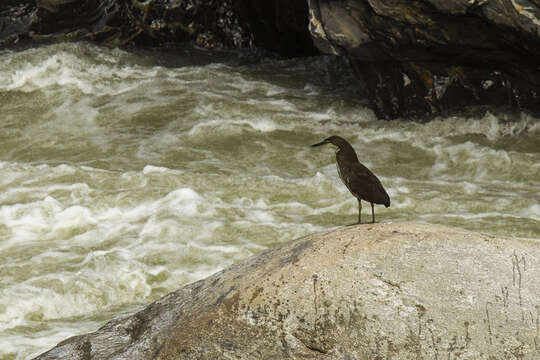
[373, 291]
[279, 25]
[413, 58]
[430, 56]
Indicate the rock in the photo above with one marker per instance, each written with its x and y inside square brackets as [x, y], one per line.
[373, 291]
[433, 56]
[279, 25]
[15, 19]
[63, 20]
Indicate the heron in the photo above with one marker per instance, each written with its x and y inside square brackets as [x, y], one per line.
[360, 181]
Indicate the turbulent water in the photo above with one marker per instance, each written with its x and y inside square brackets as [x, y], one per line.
[125, 176]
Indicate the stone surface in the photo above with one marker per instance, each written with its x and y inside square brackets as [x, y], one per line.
[427, 57]
[279, 26]
[373, 291]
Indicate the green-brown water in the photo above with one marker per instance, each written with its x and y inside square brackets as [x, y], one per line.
[126, 176]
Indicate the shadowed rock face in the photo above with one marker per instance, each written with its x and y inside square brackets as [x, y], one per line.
[400, 291]
[426, 57]
[279, 26]
[57, 20]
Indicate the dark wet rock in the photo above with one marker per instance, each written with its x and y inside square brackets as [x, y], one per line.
[427, 57]
[373, 291]
[279, 26]
[16, 17]
[61, 20]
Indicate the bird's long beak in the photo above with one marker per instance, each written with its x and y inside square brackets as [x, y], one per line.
[324, 142]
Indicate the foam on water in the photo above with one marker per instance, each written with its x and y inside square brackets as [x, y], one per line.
[263, 125]
[149, 169]
[123, 179]
[111, 254]
[63, 69]
[532, 211]
[95, 287]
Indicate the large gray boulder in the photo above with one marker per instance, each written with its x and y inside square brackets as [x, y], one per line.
[373, 291]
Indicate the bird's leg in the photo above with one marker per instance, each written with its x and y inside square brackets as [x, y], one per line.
[372, 214]
[359, 211]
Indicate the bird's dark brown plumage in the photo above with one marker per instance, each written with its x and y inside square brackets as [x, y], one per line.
[360, 181]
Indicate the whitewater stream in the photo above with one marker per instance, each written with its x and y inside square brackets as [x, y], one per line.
[125, 175]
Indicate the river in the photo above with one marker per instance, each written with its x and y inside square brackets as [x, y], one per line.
[126, 175]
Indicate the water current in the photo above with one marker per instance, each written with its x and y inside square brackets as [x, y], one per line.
[126, 175]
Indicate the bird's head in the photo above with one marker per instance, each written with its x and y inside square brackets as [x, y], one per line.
[334, 140]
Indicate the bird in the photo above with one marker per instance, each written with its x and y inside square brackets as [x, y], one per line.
[360, 181]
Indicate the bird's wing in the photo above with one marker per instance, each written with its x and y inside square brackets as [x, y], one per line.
[364, 184]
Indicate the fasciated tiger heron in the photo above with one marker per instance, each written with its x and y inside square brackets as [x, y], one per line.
[360, 181]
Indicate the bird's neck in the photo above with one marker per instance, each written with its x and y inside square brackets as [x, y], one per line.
[347, 153]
